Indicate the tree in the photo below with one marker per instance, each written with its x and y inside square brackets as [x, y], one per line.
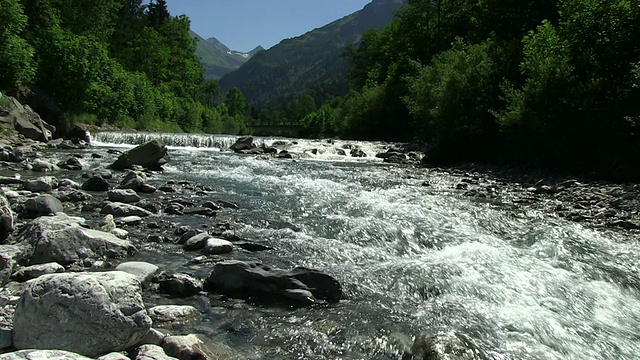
[235, 102]
[16, 55]
[157, 14]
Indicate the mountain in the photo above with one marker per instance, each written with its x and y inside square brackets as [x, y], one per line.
[217, 58]
[310, 62]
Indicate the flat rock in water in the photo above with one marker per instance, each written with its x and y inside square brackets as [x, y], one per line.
[123, 196]
[262, 283]
[40, 165]
[123, 210]
[143, 271]
[96, 183]
[41, 184]
[196, 242]
[175, 314]
[130, 220]
[179, 284]
[87, 313]
[62, 239]
[214, 246]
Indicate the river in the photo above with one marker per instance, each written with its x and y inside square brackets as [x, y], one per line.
[481, 279]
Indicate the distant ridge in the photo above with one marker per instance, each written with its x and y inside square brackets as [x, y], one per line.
[217, 58]
[310, 61]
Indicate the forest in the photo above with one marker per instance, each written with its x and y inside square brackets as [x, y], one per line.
[548, 83]
[551, 83]
[112, 62]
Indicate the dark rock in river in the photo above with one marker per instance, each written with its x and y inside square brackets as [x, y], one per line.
[355, 152]
[123, 196]
[44, 205]
[71, 163]
[34, 271]
[41, 184]
[122, 210]
[264, 284]
[243, 143]
[180, 285]
[96, 183]
[87, 313]
[151, 155]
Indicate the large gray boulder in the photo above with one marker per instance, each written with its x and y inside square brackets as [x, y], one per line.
[42, 355]
[123, 195]
[151, 155]
[151, 352]
[243, 144]
[143, 271]
[87, 313]
[62, 239]
[264, 284]
[41, 184]
[28, 123]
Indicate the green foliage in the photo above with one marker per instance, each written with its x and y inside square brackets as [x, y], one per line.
[115, 62]
[451, 99]
[235, 102]
[16, 55]
[5, 103]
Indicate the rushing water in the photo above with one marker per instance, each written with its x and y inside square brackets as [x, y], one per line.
[504, 282]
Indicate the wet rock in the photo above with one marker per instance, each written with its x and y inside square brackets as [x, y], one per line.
[42, 354]
[130, 220]
[227, 204]
[174, 314]
[62, 239]
[7, 180]
[87, 313]
[214, 246]
[445, 346]
[114, 356]
[251, 246]
[212, 205]
[123, 196]
[71, 163]
[106, 224]
[41, 184]
[120, 233]
[196, 242]
[6, 339]
[191, 347]
[40, 165]
[73, 196]
[143, 271]
[153, 337]
[261, 283]
[122, 210]
[151, 155]
[199, 211]
[104, 173]
[44, 205]
[134, 180]
[150, 352]
[180, 285]
[357, 153]
[96, 183]
[243, 143]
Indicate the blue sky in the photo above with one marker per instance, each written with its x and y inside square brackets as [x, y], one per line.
[244, 24]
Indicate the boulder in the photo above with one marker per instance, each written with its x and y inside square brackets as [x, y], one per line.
[122, 210]
[194, 347]
[114, 356]
[130, 220]
[40, 165]
[123, 196]
[73, 196]
[28, 123]
[214, 246]
[34, 271]
[106, 224]
[71, 163]
[150, 352]
[196, 242]
[42, 354]
[44, 205]
[143, 271]
[87, 313]
[134, 180]
[174, 314]
[41, 184]
[243, 143]
[264, 284]
[151, 155]
[96, 183]
[180, 285]
[355, 152]
[6, 218]
[68, 184]
[62, 239]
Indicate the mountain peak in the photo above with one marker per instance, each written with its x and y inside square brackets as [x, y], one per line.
[217, 58]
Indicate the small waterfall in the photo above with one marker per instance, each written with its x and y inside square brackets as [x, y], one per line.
[202, 141]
